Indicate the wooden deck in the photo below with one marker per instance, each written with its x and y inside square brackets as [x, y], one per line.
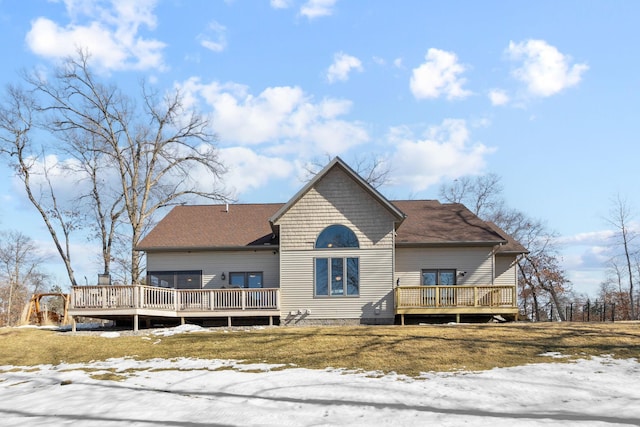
[111, 302]
[436, 300]
[148, 302]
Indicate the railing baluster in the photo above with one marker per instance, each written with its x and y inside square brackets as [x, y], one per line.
[150, 297]
[454, 296]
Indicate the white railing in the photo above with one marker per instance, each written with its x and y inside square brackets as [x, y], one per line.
[455, 296]
[150, 297]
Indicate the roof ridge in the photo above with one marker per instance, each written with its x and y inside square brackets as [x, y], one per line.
[230, 204]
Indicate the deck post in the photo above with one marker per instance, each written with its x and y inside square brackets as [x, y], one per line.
[402, 319]
[136, 297]
[270, 320]
[457, 317]
[182, 322]
[135, 323]
[73, 323]
[229, 321]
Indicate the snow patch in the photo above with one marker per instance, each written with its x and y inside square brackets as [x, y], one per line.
[186, 391]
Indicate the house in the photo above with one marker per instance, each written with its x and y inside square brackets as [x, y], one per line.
[337, 252]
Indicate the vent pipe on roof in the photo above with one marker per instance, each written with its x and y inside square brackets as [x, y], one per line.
[226, 207]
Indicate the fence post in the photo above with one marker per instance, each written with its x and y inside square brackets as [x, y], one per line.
[571, 312]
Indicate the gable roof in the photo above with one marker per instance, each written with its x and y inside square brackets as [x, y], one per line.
[247, 226]
[213, 227]
[430, 222]
[253, 226]
[337, 162]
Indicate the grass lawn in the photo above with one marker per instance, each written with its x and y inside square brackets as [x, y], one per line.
[406, 350]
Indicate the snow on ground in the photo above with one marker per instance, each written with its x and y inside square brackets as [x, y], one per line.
[194, 392]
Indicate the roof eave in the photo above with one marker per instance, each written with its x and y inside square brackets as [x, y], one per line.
[207, 248]
[460, 243]
[512, 252]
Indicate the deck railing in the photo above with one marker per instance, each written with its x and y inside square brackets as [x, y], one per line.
[408, 297]
[178, 300]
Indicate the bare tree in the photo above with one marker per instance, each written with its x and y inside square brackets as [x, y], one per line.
[19, 272]
[102, 204]
[373, 169]
[136, 159]
[620, 217]
[27, 159]
[540, 271]
[482, 194]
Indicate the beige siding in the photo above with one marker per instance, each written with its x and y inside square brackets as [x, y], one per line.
[476, 262]
[376, 284]
[506, 270]
[336, 199]
[214, 263]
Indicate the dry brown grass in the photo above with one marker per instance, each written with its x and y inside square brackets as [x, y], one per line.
[406, 350]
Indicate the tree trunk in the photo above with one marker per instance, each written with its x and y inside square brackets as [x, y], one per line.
[626, 253]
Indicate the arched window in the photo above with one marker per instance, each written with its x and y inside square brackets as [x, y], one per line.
[337, 236]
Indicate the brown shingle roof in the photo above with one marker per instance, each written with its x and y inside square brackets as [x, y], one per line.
[211, 226]
[512, 246]
[428, 222]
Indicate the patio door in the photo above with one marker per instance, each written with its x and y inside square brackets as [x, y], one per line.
[246, 279]
[443, 278]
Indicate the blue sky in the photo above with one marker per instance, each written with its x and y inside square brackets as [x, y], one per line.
[542, 93]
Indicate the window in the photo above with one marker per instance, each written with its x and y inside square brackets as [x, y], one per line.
[175, 279]
[337, 277]
[337, 236]
[435, 277]
[246, 279]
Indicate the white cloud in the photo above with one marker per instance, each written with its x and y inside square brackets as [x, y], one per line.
[249, 170]
[283, 117]
[342, 66]
[444, 152]
[544, 69]
[317, 8]
[280, 4]
[214, 38]
[600, 238]
[498, 97]
[110, 34]
[439, 76]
